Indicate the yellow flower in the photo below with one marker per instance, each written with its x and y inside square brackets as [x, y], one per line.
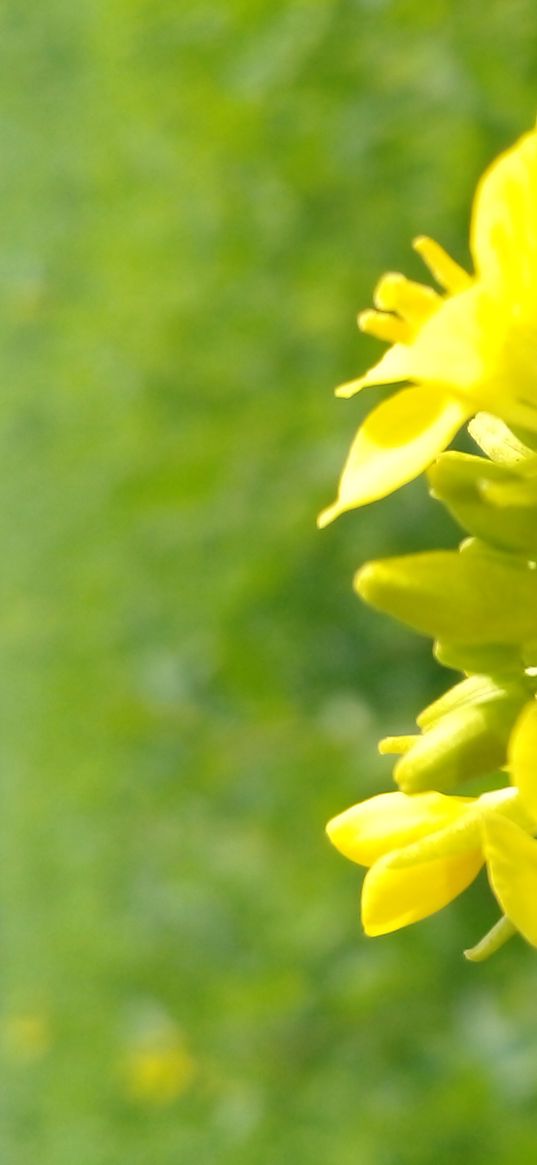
[424, 850]
[158, 1075]
[156, 1066]
[27, 1035]
[469, 348]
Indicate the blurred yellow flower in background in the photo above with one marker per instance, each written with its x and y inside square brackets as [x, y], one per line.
[26, 1035]
[157, 1068]
[470, 348]
[158, 1075]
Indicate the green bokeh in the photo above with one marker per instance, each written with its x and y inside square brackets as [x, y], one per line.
[196, 198]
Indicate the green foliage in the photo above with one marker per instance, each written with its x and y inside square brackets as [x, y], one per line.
[195, 200]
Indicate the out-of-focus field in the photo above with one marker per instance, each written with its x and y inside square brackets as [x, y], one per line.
[195, 200]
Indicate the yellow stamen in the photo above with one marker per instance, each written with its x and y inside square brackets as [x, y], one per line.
[412, 301]
[385, 327]
[397, 745]
[445, 270]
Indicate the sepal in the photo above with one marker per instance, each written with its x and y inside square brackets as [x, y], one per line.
[499, 442]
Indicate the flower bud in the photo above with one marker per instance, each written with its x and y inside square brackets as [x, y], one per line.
[475, 598]
[489, 500]
[467, 741]
[495, 658]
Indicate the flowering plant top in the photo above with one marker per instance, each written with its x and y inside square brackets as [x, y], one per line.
[466, 352]
[467, 348]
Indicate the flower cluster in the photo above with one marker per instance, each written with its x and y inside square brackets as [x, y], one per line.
[467, 353]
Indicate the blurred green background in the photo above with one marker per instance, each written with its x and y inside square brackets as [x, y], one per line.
[196, 198]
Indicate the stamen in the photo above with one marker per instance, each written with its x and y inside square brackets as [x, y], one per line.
[398, 745]
[385, 327]
[414, 302]
[444, 269]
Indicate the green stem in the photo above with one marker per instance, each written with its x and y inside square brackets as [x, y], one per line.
[491, 941]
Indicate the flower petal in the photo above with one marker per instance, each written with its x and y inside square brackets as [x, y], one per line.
[391, 368]
[376, 827]
[449, 348]
[396, 442]
[393, 898]
[512, 869]
[522, 757]
[503, 239]
[461, 836]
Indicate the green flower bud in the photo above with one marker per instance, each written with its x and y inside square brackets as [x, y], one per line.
[466, 741]
[488, 500]
[496, 658]
[476, 689]
[475, 598]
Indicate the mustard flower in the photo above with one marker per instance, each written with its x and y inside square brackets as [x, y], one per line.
[423, 850]
[469, 347]
[26, 1035]
[157, 1074]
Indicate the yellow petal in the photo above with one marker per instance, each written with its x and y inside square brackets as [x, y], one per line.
[449, 349]
[512, 869]
[503, 233]
[390, 369]
[461, 836]
[392, 898]
[522, 757]
[396, 442]
[376, 827]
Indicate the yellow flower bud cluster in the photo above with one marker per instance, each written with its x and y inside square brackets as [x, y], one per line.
[468, 351]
